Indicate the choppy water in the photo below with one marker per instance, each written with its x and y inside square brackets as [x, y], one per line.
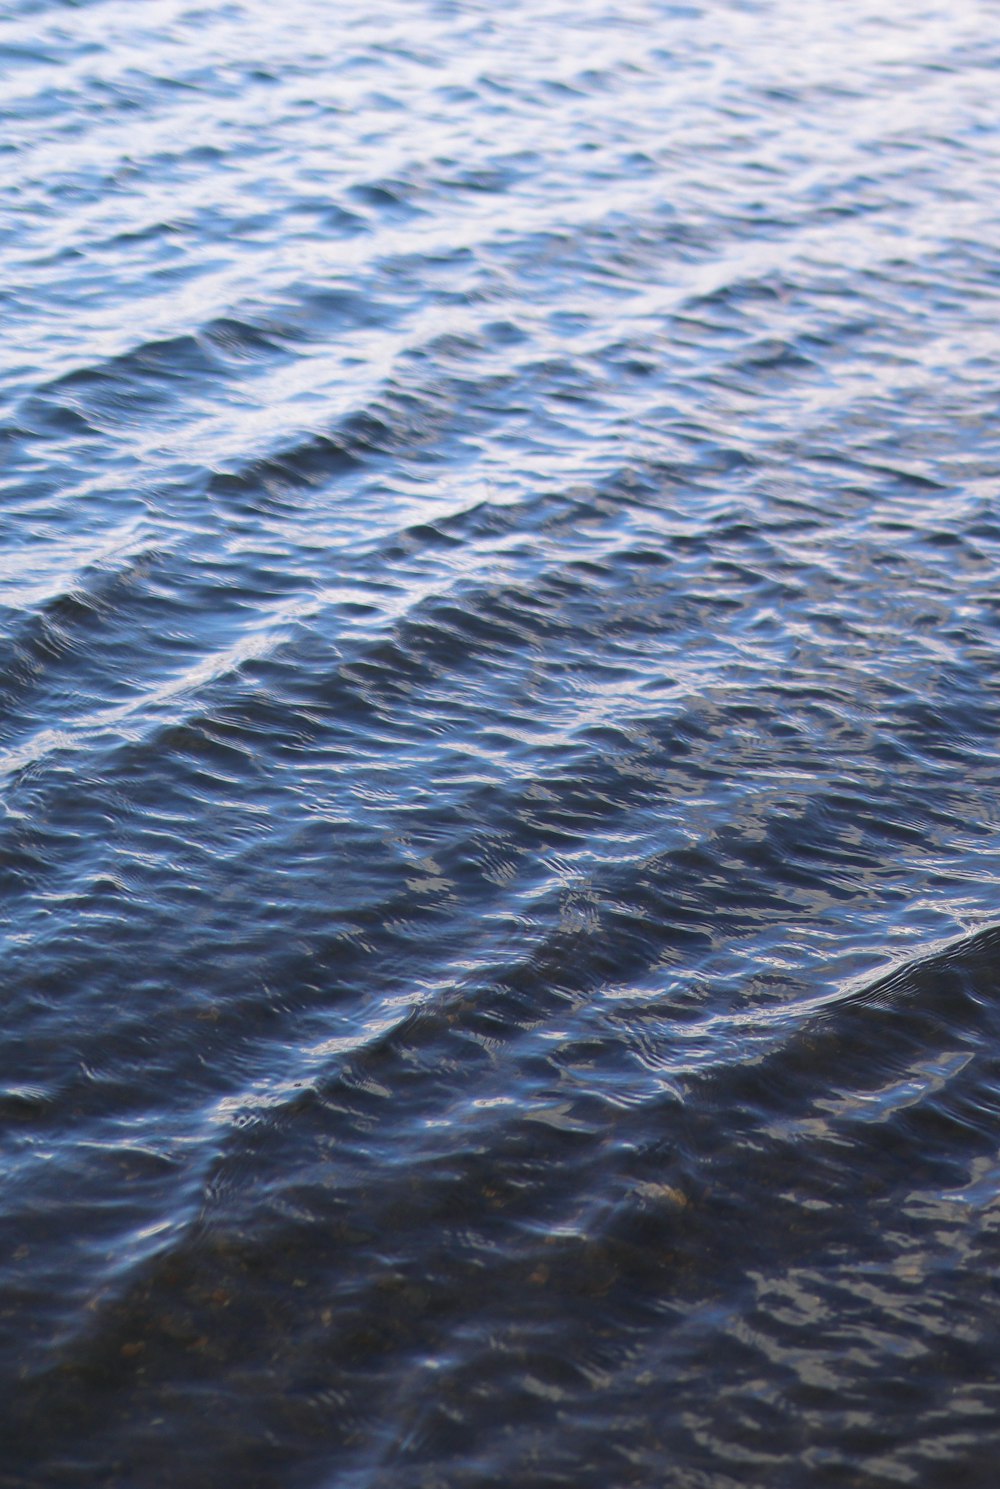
[500, 705]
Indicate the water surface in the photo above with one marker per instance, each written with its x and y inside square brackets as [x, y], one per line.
[499, 704]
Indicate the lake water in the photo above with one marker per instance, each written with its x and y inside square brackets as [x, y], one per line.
[500, 702]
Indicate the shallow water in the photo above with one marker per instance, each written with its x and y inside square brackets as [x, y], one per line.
[500, 700]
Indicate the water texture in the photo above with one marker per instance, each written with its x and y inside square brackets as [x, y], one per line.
[499, 703]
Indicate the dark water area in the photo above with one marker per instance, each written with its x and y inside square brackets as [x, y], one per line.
[499, 707]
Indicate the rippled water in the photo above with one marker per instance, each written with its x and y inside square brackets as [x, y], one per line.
[500, 705]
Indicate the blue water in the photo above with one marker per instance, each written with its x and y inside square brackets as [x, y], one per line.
[500, 696]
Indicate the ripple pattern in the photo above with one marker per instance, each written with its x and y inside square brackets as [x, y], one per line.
[499, 654]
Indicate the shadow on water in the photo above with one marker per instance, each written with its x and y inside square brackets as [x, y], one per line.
[785, 1264]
